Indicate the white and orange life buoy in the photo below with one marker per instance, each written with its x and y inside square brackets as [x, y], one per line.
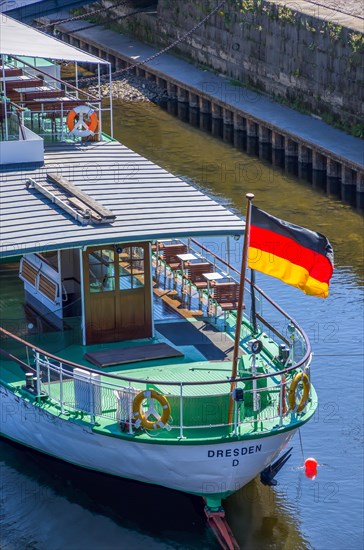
[141, 417]
[82, 121]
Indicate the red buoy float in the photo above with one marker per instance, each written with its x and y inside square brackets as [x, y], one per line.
[311, 468]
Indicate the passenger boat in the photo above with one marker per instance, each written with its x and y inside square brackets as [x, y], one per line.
[128, 346]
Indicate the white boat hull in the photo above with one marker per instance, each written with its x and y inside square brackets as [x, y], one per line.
[200, 469]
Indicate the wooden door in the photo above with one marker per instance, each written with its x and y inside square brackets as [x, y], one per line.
[117, 288]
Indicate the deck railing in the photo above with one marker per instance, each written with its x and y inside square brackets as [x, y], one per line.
[274, 321]
[48, 118]
[98, 396]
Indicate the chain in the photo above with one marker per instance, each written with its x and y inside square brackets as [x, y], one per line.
[83, 15]
[124, 16]
[119, 73]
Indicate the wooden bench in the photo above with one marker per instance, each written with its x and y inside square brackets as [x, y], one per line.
[23, 83]
[226, 296]
[194, 273]
[170, 254]
[10, 71]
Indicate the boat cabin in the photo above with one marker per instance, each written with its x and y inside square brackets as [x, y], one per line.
[82, 215]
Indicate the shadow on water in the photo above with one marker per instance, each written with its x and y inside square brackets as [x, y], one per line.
[38, 490]
[53, 501]
[49, 504]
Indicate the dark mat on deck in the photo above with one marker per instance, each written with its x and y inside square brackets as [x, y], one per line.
[212, 343]
[120, 356]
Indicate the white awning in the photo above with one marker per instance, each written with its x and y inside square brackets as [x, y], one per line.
[19, 40]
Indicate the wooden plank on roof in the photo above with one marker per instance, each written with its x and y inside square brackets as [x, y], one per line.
[105, 214]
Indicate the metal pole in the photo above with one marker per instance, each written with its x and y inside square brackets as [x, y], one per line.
[92, 400]
[76, 68]
[5, 100]
[253, 299]
[61, 386]
[239, 316]
[235, 417]
[48, 377]
[83, 300]
[283, 381]
[38, 374]
[100, 110]
[228, 253]
[181, 436]
[110, 100]
[255, 396]
[62, 122]
[151, 287]
[130, 406]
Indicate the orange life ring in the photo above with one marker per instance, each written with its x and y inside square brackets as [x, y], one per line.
[84, 117]
[301, 377]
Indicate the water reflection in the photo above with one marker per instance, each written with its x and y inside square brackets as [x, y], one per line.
[100, 512]
[60, 506]
[229, 172]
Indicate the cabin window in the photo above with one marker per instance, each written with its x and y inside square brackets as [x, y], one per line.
[102, 272]
[103, 265]
[50, 258]
[131, 267]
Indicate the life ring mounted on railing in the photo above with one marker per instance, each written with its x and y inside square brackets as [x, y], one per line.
[141, 418]
[303, 378]
[82, 121]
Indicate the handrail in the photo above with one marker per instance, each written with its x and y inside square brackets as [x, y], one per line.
[286, 370]
[57, 79]
[148, 381]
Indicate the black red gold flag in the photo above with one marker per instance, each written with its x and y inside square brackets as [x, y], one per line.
[296, 255]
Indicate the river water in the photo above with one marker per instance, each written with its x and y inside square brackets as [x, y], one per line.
[48, 504]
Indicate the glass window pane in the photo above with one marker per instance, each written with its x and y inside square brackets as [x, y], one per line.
[131, 267]
[108, 283]
[138, 281]
[138, 252]
[125, 282]
[101, 265]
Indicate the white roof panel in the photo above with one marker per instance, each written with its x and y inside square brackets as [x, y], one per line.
[18, 39]
[149, 202]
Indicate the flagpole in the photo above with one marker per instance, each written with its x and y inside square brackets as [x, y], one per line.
[253, 301]
[239, 316]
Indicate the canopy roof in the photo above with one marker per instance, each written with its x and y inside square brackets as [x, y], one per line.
[18, 39]
[148, 202]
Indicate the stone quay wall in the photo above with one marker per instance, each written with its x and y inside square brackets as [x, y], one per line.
[309, 61]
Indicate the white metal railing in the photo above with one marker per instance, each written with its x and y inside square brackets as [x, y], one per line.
[98, 394]
[94, 394]
[47, 122]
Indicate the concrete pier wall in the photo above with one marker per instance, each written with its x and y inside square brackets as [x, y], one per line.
[312, 59]
[326, 169]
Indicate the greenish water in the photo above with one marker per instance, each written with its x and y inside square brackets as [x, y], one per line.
[47, 504]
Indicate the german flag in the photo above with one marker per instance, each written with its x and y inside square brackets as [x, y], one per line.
[297, 256]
